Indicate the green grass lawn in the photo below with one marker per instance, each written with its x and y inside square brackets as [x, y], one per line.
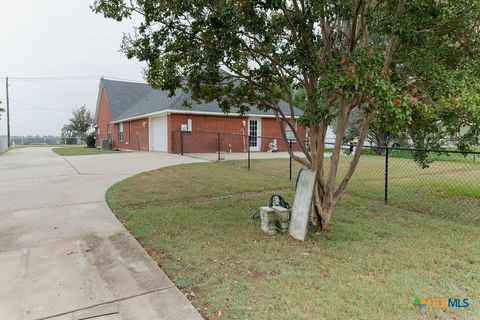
[195, 221]
[444, 189]
[432, 156]
[80, 151]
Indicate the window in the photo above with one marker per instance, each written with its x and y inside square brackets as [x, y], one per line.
[120, 131]
[289, 131]
[109, 132]
[253, 133]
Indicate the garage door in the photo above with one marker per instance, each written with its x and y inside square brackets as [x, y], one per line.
[158, 134]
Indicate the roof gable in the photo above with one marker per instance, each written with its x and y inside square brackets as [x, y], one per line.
[121, 95]
[130, 99]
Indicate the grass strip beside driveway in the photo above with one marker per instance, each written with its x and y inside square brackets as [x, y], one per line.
[80, 151]
[371, 266]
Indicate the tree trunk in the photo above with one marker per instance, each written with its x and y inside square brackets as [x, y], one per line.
[321, 209]
[327, 193]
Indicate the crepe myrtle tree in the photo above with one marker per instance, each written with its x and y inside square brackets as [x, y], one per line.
[343, 54]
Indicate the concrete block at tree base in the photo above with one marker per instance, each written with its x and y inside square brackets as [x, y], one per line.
[274, 219]
[283, 218]
[268, 220]
[302, 204]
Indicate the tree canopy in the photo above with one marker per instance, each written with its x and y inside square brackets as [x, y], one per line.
[410, 65]
[79, 124]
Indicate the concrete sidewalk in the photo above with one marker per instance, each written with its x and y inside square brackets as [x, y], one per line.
[63, 254]
[244, 155]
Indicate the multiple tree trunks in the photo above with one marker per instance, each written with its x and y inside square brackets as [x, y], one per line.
[342, 56]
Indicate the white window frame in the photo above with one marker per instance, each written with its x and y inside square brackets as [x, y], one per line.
[255, 144]
[289, 132]
[109, 132]
[120, 131]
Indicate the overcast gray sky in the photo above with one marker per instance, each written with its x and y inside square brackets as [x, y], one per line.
[57, 38]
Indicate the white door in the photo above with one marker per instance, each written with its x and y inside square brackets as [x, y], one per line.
[158, 134]
[254, 133]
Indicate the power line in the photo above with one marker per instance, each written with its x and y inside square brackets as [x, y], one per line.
[45, 94]
[41, 93]
[63, 109]
[123, 79]
[71, 78]
[54, 78]
[43, 109]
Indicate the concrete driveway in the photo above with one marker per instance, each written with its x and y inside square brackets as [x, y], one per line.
[63, 254]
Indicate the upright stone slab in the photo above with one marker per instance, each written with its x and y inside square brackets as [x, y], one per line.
[302, 204]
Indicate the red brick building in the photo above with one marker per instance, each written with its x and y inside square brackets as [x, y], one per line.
[135, 116]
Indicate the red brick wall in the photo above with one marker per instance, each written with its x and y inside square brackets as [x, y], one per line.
[270, 128]
[130, 129]
[204, 137]
[135, 135]
[104, 117]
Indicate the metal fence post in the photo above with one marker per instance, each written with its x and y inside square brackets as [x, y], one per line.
[248, 150]
[290, 143]
[181, 142]
[386, 175]
[218, 145]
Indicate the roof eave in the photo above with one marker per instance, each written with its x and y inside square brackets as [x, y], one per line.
[166, 111]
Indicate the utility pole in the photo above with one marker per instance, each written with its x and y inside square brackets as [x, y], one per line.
[8, 114]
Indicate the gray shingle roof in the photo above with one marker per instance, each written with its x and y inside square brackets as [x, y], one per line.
[130, 99]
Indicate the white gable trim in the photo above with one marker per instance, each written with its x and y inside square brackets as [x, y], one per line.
[100, 92]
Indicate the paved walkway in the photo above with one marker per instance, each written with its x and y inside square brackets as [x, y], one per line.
[244, 155]
[63, 254]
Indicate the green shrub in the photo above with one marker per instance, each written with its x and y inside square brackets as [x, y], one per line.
[91, 140]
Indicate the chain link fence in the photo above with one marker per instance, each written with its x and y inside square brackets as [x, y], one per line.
[17, 141]
[230, 146]
[3, 144]
[44, 140]
[447, 185]
[3, 133]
